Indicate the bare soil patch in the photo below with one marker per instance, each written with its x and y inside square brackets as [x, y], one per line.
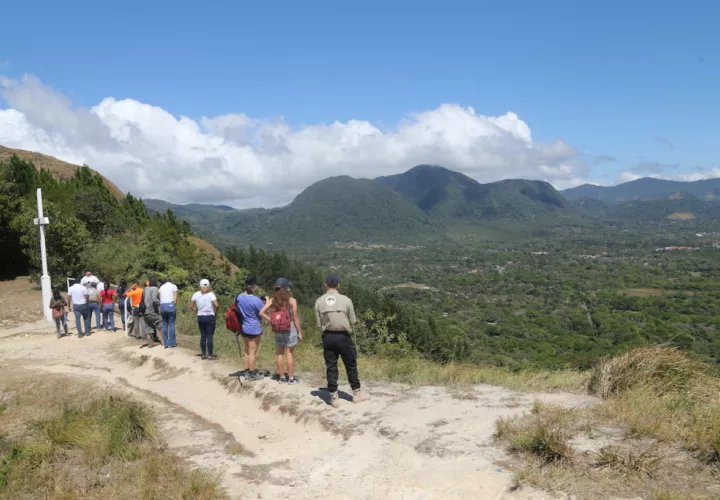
[20, 303]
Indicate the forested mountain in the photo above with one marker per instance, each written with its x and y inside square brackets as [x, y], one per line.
[445, 194]
[418, 205]
[645, 189]
[430, 202]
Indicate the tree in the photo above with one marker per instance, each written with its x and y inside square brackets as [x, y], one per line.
[65, 240]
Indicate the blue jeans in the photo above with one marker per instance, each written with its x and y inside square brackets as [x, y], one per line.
[207, 330]
[108, 316]
[94, 307]
[82, 311]
[61, 324]
[168, 313]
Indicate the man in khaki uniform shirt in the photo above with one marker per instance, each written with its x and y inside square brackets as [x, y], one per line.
[335, 316]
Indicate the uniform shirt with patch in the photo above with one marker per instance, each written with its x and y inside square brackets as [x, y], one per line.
[334, 312]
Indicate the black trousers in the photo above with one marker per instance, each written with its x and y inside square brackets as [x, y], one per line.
[338, 344]
[207, 330]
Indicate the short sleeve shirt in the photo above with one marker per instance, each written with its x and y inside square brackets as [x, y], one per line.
[204, 303]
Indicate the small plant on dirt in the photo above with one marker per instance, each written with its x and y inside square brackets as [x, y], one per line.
[628, 461]
[541, 438]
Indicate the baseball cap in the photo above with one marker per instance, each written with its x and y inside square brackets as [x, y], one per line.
[204, 283]
[283, 283]
[332, 280]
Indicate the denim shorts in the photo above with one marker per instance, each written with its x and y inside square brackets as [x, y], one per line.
[286, 339]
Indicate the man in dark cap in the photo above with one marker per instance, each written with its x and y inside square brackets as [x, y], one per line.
[335, 316]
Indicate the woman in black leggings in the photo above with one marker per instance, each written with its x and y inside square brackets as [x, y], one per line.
[205, 304]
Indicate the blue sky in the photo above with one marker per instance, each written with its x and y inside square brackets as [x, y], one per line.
[636, 81]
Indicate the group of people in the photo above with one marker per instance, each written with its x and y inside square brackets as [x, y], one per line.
[143, 311]
[153, 308]
[86, 297]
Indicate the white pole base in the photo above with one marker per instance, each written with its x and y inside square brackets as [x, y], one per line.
[46, 296]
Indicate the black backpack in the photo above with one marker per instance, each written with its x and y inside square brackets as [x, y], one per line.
[141, 306]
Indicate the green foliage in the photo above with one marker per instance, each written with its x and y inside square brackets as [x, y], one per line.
[65, 239]
[91, 229]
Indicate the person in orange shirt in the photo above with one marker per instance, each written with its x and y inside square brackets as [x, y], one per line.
[135, 295]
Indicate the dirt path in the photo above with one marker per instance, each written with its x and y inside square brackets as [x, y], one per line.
[270, 440]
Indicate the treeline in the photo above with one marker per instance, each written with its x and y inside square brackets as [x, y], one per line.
[385, 325]
[91, 228]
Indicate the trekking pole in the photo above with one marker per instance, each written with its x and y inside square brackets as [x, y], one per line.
[237, 341]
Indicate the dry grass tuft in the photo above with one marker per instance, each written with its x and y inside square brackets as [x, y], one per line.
[628, 461]
[68, 440]
[663, 369]
[663, 393]
[666, 406]
[543, 434]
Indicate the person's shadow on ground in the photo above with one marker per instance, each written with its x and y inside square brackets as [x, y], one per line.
[324, 394]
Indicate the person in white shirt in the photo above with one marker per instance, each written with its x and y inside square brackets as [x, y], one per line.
[90, 278]
[205, 304]
[79, 304]
[168, 311]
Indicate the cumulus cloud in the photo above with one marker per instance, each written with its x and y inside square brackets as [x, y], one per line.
[242, 161]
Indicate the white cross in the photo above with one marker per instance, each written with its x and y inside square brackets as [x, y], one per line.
[41, 222]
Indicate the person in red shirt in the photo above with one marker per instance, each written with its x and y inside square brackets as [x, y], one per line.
[107, 307]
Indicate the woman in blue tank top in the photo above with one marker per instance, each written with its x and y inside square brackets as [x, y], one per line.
[250, 307]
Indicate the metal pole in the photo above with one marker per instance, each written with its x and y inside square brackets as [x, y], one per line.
[41, 222]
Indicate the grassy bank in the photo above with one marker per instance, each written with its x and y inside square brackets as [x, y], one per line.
[64, 439]
[656, 432]
[410, 369]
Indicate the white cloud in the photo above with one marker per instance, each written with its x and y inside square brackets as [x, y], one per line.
[700, 175]
[629, 176]
[242, 161]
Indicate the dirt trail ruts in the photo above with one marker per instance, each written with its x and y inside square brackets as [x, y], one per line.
[272, 440]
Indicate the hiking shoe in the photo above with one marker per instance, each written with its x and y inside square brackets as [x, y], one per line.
[203, 357]
[283, 380]
[334, 401]
[277, 377]
[359, 396]
[293, 381]
[256, 375]
[212, 357]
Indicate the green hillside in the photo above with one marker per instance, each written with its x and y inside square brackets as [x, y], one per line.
[338, 209]
[678, 206]
[645, 189]
[445, 194]
[93, 227]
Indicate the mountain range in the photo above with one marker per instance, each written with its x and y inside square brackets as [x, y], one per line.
[428, 201]
[645, 189]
